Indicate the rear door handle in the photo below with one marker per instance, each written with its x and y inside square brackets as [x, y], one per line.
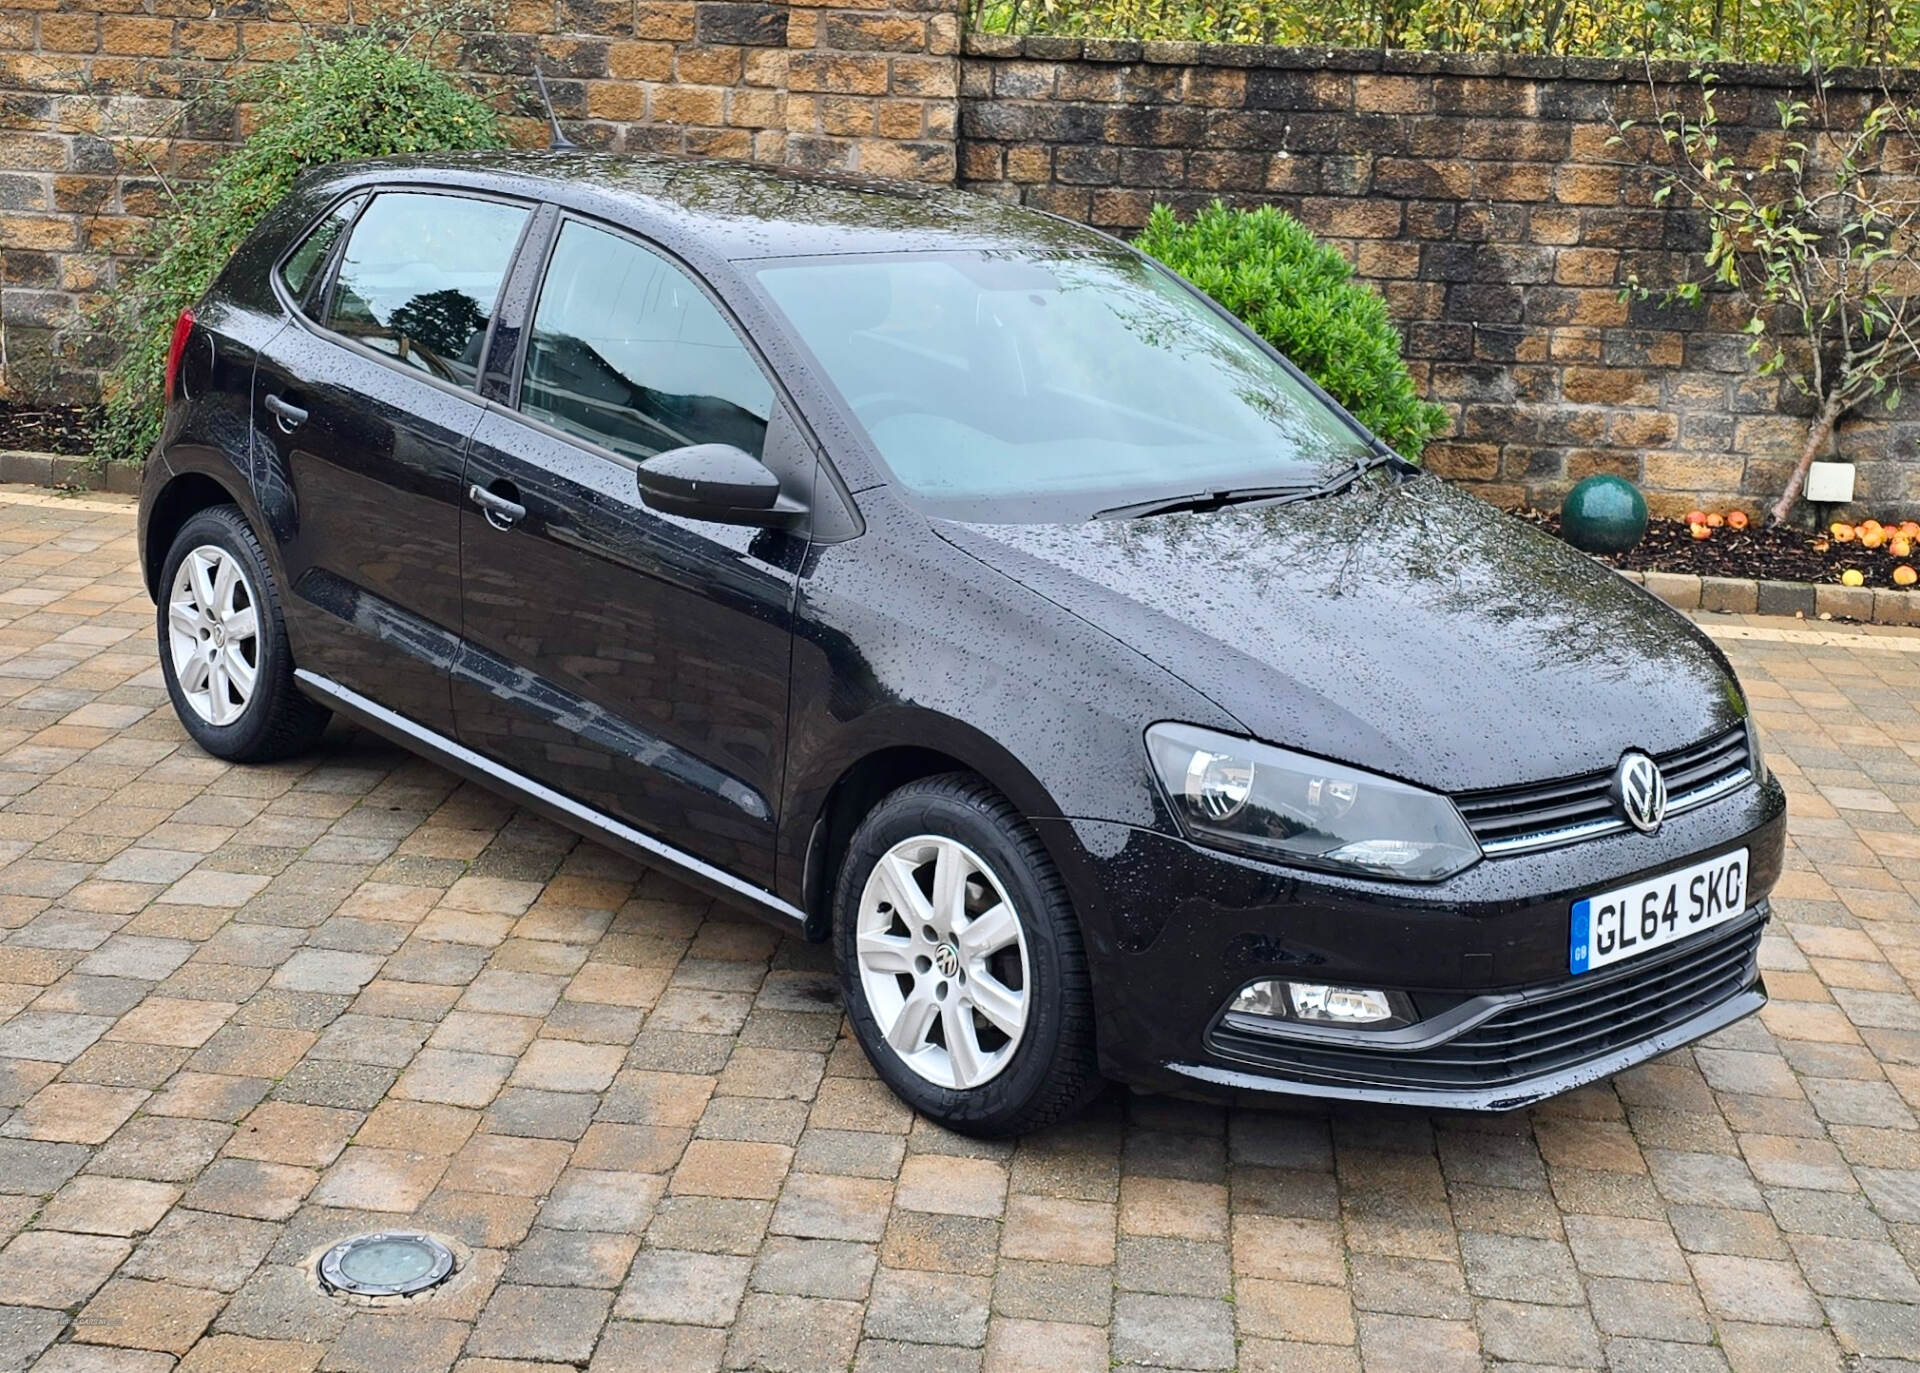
[501, 512]
[291, 416]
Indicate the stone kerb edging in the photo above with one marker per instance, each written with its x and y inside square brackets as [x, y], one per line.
[51, 469]
[1812, 600]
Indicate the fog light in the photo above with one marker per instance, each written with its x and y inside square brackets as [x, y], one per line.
[1317, 1003]
[1338, 1005]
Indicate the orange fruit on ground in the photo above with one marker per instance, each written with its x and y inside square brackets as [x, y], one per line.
[1900, 546]
[1873, 538]
[1852, 577]
[1715, 520]
[1700, 531]
[1696, 517]
[1737, 519]
[1905, 576]
[1871, 526]
[1842, 532]
[1910, 528]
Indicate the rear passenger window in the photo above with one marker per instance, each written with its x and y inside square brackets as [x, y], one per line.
[297, 272]
[420, 276]
[627, 352]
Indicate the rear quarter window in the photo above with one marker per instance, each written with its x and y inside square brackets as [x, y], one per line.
[300, 271]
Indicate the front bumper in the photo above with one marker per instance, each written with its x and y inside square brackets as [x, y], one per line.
[1174, 930]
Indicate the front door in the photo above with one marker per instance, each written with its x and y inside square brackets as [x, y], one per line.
[368, 394]
[634, 661]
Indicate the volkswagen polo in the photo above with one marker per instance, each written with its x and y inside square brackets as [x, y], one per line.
[951, 583]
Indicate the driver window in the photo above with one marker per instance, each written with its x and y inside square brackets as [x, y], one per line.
[419, 278]
[628, 353]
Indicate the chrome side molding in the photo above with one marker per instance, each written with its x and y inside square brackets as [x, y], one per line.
[479, 768]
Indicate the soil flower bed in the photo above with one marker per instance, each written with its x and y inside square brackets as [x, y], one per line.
[65, 430]
[1784, 554]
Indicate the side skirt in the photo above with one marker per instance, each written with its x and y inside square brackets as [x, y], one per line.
[550, 803]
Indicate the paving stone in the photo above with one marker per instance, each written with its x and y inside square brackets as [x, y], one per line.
[109, 1206]
[1176, 1332]
[585, 1199]
[1525, 1270]
[1540, 1334]
[543, 1323]
[571, 1258]
[1035, 1346]
[24, 1332]
[1648, 1310]
[54, 1269]
[814, 1268]
[200, 1249]
[375, 1342]
[1410, 1287]
[147, 1315]
[645, 1346]
[791, 1334]
[928, 1308]
[941, 1243]
[1763, 1291]
[1053, 1292]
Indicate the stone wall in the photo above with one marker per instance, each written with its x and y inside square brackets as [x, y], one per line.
[95, 119]
[1479, 193]
[1482, 196]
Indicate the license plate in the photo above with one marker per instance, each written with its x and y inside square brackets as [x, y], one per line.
[1630, 921]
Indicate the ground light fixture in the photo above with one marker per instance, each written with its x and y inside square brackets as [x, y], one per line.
[388, 1263]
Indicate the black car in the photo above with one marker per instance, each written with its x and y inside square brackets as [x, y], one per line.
[950, 582]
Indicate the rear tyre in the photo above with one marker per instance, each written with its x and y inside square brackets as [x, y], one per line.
[223, 645]
[961, 962]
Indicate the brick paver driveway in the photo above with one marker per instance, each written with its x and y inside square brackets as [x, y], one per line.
[244, 1012]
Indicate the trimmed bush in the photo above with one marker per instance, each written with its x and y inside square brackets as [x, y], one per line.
[338, 100]
[1300, 295]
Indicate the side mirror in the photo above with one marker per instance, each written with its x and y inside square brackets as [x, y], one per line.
[718, 482]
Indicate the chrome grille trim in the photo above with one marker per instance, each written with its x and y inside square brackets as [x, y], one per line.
[1544, 815]
[1548, 839]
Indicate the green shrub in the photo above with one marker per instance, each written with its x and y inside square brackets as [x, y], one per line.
[1300, 295]
[339, 99]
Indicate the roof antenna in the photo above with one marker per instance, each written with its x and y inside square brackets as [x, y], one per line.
[555, 139]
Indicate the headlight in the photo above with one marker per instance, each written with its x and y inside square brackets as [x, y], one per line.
[1756, 762]
[1274, 804]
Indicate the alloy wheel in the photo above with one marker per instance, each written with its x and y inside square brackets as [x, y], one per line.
[943, 961]
[213, 634]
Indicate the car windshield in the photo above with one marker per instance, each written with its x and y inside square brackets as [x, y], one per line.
[1017, 387]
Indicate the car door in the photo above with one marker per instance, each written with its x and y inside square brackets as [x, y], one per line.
[368, 398]
[633, 661]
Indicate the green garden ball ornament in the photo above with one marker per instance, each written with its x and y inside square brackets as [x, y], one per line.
[1604, 514]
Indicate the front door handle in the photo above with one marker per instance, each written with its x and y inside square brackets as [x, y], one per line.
[290, 416]
[501, 512]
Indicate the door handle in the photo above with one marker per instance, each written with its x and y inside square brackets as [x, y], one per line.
[290, 416]
[500, 511]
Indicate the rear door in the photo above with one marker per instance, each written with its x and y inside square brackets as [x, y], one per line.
[369, 398]
[634, 661]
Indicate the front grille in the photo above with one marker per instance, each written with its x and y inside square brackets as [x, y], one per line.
[1548, 814]
[1567, 1025]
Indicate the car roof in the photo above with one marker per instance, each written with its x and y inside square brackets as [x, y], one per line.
[739, 211]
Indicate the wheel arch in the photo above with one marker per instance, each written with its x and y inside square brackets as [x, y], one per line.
[183, 497]
[923, 747]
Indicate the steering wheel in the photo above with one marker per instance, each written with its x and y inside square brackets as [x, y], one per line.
[876, 406]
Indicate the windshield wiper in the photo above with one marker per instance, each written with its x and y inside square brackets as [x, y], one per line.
[1202, 501]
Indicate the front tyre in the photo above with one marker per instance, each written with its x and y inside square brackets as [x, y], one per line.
[223, 645]
[961, 963]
